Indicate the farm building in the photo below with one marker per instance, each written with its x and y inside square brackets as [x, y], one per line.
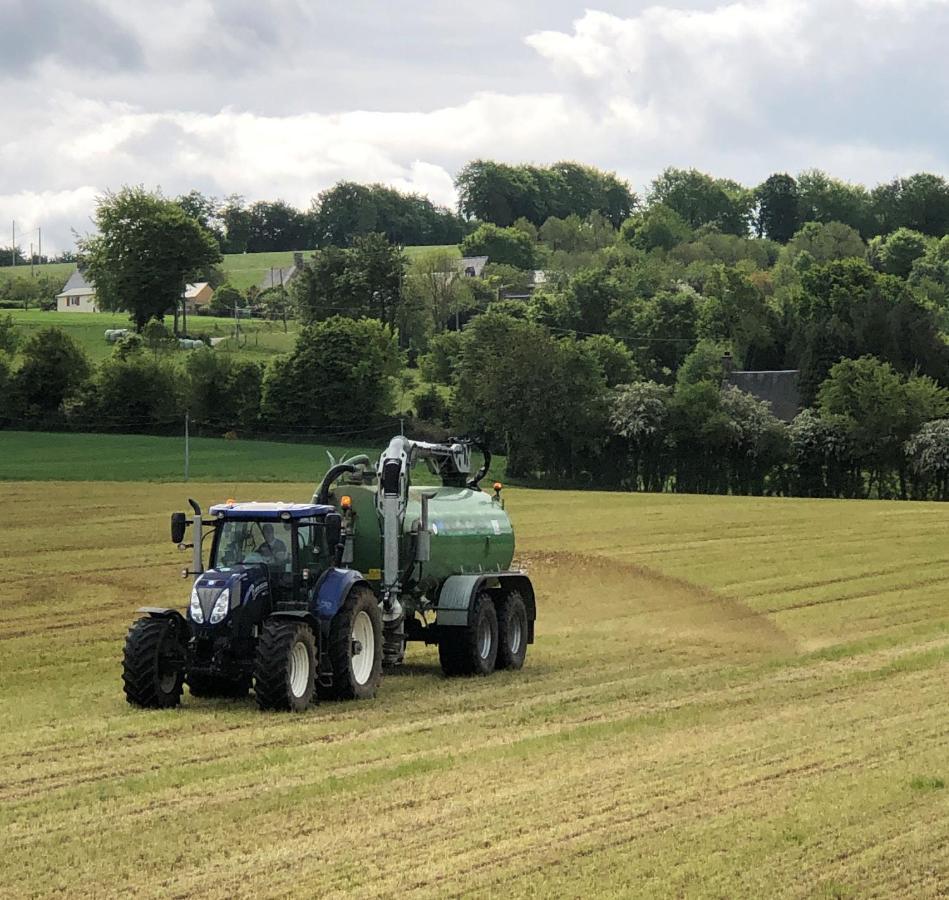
[78, 295]
[281, 276]
[472, 266]
[779, 389]
[197, 296]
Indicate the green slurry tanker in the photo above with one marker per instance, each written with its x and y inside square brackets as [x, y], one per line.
[307, 600]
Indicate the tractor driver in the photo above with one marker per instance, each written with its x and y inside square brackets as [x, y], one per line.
[272, 548]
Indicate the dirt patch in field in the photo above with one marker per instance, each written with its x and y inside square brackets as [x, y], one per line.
[611, 594]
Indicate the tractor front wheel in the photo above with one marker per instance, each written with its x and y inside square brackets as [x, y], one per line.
[471, 650]
[285, 668]
[355, 647]
[152, 664]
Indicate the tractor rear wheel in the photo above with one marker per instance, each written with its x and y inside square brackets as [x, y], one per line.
[355, 647]
[512, 632]
[152, 664]
[285, 668]
[216, 686]
[471, 650]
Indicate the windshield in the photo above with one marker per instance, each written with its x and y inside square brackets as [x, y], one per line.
[254, 542]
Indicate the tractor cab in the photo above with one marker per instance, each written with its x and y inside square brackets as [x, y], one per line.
[280, 548]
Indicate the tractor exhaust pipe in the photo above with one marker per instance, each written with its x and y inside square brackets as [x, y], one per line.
[197, 564]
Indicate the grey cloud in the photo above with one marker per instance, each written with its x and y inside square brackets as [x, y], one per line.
[77, 35]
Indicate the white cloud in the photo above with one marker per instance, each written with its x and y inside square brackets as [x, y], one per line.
[740, 88]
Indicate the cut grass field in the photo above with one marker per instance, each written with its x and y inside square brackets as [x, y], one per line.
[243, 270]
[728, 697]
[260, 340]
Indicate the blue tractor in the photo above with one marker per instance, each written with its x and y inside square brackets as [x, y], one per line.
[274, 609]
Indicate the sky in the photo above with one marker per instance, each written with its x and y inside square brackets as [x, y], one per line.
[279, 99]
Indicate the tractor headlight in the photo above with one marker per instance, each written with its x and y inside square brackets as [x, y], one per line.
[197, 614]
[221, 607]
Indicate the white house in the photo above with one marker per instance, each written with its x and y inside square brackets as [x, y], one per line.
[77, 296]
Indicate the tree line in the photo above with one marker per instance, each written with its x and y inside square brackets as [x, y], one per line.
[622, 320]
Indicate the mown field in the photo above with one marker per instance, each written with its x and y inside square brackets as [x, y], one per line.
[259, 339]
[243, 270]
[728, 697]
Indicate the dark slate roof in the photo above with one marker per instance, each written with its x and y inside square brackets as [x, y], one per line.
[474, 264]
[777, 388]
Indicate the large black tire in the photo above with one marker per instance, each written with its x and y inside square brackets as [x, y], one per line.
[201, 685]
[512, 632]
[356, 627]
[285, 668]
[471, 650]
[152, 665]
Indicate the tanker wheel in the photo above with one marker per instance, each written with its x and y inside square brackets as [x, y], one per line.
[355, 648]
[152, 664]
[217, 686]
[285, 668]
[512, 632]
[471, 650]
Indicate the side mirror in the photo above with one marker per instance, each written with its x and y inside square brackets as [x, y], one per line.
[178, 524]
[334, 529]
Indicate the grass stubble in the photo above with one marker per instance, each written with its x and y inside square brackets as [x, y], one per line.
[727, 697]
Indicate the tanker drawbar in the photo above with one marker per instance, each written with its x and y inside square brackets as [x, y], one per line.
[301, 601]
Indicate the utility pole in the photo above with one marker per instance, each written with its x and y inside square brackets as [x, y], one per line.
[31, 259]
[39, 237]
[187, 445]
[13, 241]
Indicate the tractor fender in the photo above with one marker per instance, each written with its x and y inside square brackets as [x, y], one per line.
[303, 615]
[456, 597]
[332, 590]
[160, 612]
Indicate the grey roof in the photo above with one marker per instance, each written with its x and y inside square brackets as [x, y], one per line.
[475, 263]
[77, 284]
[779, 389]
[276, 276]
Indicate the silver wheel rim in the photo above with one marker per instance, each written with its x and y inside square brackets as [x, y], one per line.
[484, 638]
[364, 657]
[515, 634]
[299, 669]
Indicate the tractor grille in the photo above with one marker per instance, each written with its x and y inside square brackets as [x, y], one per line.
[207, 596]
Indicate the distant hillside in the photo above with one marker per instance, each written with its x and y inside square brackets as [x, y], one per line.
[243, 269]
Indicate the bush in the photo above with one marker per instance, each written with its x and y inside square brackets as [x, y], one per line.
[222, 392]
[340, 374]
[441, 361]
[506, 246]
[135, 393]
[430, 406]
[9, 336]
[54, 369]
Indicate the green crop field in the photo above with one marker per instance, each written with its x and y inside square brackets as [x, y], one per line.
[42, 456]
[728, 697]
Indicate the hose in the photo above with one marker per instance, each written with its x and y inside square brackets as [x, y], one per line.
[474, 482]
[323, 491]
